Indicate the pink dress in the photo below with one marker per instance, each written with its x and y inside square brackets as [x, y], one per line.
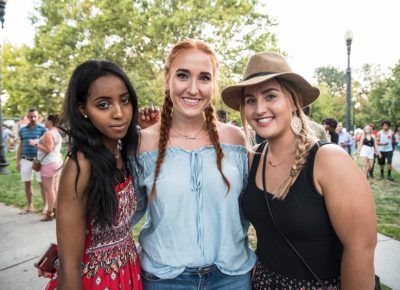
[110, 260]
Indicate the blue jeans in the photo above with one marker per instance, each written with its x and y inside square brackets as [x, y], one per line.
[203, 278]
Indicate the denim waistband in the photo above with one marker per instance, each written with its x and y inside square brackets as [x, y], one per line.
[201, 270]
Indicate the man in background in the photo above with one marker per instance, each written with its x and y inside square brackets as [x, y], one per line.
[330, 125]
[222, 116]
[345, 140]
[385, 139]
[26, 154]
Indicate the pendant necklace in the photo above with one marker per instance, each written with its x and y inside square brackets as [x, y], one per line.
[187, 137]
[116, 156]
[122, 171]
[276, 165]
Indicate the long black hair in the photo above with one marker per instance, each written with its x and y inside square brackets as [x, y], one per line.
[101, 203]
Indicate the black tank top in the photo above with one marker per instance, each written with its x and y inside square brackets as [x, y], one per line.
[369, 142]
[302, 217]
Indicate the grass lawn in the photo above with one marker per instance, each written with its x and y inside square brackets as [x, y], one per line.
[386, 194]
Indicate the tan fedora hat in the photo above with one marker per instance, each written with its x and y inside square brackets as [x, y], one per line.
[264, 66]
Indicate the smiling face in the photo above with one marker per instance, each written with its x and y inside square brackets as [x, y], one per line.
[109, 108]
[267, 109]
[191, 82]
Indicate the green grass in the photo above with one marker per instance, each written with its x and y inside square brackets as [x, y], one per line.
[386, 194]
[12, 188]
[387, 201]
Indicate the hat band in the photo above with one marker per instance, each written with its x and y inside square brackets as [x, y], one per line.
[258, 75]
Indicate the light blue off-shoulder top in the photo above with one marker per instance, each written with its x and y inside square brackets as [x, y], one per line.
[193, 221]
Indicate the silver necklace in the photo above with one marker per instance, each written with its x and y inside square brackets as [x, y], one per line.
[187, 137]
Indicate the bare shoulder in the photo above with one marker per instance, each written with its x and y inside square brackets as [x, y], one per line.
[334, 166]
[331, 155]
[149, 138]
[229, 134]
[69, 175]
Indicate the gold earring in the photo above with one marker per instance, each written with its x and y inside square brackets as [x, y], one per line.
[296, 124]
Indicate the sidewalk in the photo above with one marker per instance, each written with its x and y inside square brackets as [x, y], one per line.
[22, 239]
[25, 237]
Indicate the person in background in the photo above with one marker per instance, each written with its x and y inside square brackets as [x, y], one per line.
[194, 171]
[367, 148]
[345, 140]
[97, 199]
[397, 138]
[385, 139]
[6, 135]
[317, 129]
[311, 190]
[26, 153]
[330, 125]
[49, 154]
[222, 116]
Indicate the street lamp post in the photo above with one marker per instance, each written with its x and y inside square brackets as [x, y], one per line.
[348, 37]
[3, 161]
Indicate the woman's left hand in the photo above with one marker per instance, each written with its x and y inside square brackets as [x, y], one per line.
[33, 142]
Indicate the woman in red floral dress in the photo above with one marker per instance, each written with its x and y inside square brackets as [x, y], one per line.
[97, 199]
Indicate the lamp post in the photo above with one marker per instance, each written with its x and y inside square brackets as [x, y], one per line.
[348, 37]
[3, 161]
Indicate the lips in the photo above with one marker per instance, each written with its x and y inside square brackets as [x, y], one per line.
[119, 127]
[191, 101]
[264, 120]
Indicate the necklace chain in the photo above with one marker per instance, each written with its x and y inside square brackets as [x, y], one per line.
[187, 136]
[122, 170]
[116, 156]
[276, 165]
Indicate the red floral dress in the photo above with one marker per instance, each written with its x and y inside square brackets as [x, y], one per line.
[110, 260]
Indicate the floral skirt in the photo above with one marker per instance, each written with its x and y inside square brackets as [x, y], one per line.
[127, 277]
[265, 279]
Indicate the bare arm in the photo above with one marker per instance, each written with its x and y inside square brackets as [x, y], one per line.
[352, 212]
[376, 146]
[46, 145]
[19, 155]
[71, 223]
[360, 143]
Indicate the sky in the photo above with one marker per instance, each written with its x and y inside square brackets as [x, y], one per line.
[311, 32]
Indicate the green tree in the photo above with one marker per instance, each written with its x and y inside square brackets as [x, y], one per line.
[383, 100]
[137, 35]
[334, 78]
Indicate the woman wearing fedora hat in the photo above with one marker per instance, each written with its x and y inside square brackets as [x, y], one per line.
[310, 204]
[193, 172]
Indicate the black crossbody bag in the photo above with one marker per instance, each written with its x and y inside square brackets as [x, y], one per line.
[377, 280]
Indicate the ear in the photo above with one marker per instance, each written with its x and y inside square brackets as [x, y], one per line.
[82, 110]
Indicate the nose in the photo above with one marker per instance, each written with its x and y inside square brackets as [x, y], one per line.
[117, 112]
[260, 108]
[193, 87]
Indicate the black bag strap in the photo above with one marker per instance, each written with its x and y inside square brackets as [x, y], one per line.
[41, 159]
[279, 230]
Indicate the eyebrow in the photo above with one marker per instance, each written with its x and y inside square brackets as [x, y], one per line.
[188, 71]
[109, 97]
[263, 92]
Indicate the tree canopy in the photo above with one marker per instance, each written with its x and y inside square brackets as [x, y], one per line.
[136, 35]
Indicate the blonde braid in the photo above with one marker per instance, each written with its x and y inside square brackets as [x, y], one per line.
[214, 137]
[166, 117]
[305, 139]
